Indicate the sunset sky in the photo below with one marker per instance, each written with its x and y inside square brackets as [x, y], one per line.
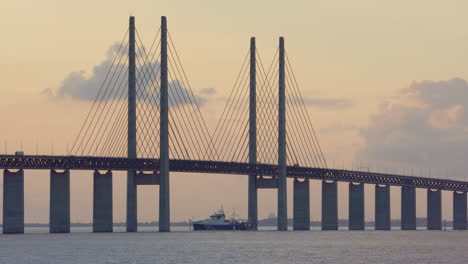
[384, 83]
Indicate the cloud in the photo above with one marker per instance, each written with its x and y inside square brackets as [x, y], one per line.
[329, 103]
[426, 126]
[338, 127]
[85, 87]
[208, 91]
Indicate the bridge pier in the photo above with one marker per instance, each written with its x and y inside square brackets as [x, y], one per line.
[102, 202]
[459, 211]
[434, 210]
[13, 202]
[408, 208]
[356, 206]
[301, 217]
[253, 203]
[329, 206]
[131, 225]
[148, 178]
[59, 214]
[382, 207]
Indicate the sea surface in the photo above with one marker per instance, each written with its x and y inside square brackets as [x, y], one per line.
[266, 246]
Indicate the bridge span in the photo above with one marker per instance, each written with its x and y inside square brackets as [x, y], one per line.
[222, 167]
[147, 173]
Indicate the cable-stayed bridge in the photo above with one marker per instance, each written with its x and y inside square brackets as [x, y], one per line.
[146, 120]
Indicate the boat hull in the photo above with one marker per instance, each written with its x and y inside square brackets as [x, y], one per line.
[219, 227]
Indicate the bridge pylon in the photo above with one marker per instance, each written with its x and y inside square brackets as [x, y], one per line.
[131, 225]
[164, 204]
[252, 192]
[282, 197]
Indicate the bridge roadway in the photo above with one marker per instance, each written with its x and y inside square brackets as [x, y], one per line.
[222, 167]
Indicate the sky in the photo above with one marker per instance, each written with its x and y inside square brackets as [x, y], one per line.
[385, 83]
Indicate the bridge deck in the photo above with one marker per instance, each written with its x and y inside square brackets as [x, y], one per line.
[220, 167]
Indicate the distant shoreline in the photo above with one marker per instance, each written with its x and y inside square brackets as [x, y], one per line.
[420, 222]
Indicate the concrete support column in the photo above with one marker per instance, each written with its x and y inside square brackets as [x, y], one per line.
[59, 214]
[408, 208]
[13, 202]
[356, 206]
[132, 136]
[102, 202]
[252, 192]
[301, 217]
[329, 206]
[459, 211]
[434, 210]
[382, 207]
[164, 204]
[282, 197]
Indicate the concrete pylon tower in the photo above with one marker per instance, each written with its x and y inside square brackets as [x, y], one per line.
[282, 198]
[131, 136]
[164, 208]
[253, 205]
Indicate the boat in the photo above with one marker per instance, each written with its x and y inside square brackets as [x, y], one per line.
[218, 221]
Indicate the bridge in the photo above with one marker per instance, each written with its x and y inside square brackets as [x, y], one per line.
[120, 133]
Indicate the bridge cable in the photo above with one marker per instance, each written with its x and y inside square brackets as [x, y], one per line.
[294, 105]
[190, 105]
[310, 127]
[181, 104]
[109, 95]
[270, 109]
[299, 129]
[245, 145]
[174, 128]
[145, 127]
[222, 119]
[241, 110]
[105, 119]
[228, 122]
[97, 99]
[268, 128]
[206, 133]
[115, 128]
[145, 116]
[270, 125]
[109, 120]
[150, 98]
[243, 134]
[173, 140]
[101, 116]
[293, 137]
[305, 111]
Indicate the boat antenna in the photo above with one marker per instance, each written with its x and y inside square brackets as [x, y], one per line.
[233, 215]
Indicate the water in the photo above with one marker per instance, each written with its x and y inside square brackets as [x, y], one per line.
[81, 246]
